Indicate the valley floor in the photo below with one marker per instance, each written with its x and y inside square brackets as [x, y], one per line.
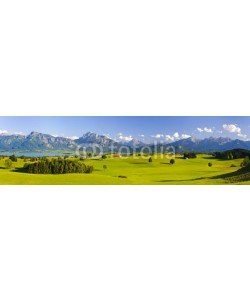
[138, 171]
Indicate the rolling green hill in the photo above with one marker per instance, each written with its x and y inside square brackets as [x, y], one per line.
[122, 170]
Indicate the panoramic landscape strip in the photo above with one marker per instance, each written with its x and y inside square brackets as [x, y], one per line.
[120, 150]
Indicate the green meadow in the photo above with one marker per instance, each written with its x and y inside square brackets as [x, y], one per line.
[132, 171]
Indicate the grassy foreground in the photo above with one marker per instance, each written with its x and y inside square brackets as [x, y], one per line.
[137, 170]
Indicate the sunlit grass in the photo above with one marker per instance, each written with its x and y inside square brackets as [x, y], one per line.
[134, 171]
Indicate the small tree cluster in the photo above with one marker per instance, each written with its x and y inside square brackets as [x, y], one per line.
[57, 166]
[245, 162]
[13, 158]
[8, 163]
[189, 155]
[33, 159]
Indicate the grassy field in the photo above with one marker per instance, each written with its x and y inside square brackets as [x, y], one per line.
[137, 170]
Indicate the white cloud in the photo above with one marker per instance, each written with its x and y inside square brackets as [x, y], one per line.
[244, 136]
[125, 138]
[19, 133]
[158, 135]
[67, 137]
[205, 129]
[169, 138]
[208, 130]
[176, 135]
[142, 135]
[233, 128]
[73, 137]
[185, 136]
[3, 132]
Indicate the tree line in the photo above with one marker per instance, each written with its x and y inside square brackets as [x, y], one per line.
[232, 154]
[189, 155]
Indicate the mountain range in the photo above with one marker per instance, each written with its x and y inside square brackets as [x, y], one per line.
[38, 141]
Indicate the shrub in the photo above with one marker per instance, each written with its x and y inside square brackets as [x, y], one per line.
[8, 163]
[210, 164]
[150, 159]
[122, 176]
[245, 161]
[13, 158]
[89, 169]
[105, 167]
[172, 161]
[104, 156]
[233, 166]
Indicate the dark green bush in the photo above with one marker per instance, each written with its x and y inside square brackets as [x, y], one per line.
[245, 161]
[172, 161]
[8, 163]
[13, 158]
[189, 155]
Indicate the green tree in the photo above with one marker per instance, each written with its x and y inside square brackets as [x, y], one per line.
[245, 161]
[150, 159]
[8, 163]
[104, 156]
[13, 158]
[172, 161]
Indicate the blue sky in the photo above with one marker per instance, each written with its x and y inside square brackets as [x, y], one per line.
[145, 128]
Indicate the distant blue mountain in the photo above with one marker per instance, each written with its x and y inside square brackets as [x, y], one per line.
[209, 144]
[39, 141]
